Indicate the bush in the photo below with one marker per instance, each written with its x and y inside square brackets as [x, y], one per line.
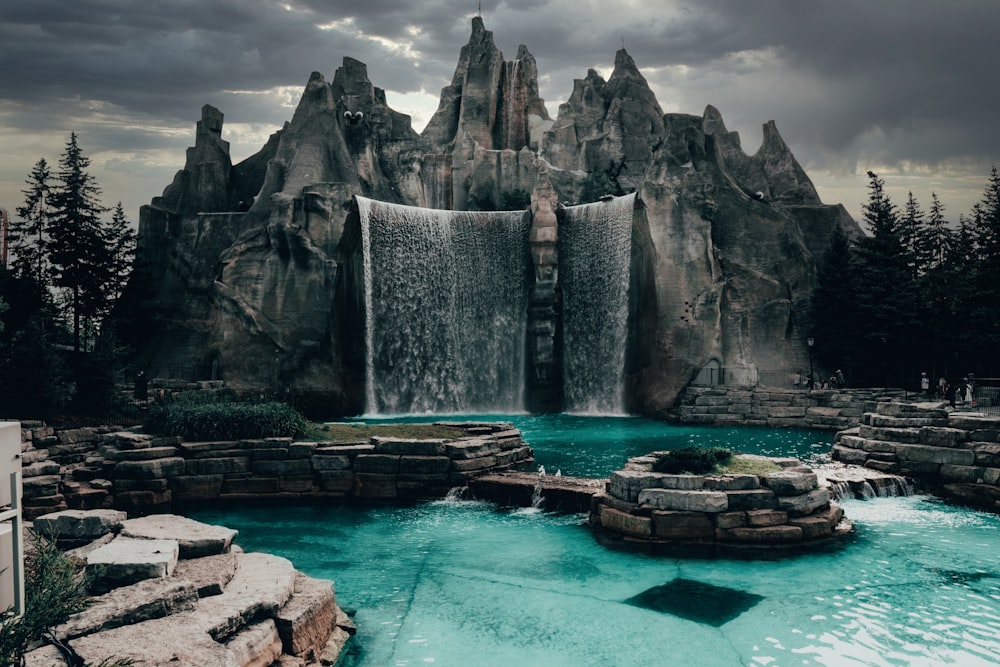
[692, 460]
[225, 421]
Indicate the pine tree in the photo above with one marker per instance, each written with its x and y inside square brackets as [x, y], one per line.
[28, 234]
[834, 324]
[911, 228]
[78, 249]
[121, 242]
[886, 295]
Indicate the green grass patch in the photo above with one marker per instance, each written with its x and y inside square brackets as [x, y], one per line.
[343, 432]
[195, 421]
[692, 460]
[748, 465]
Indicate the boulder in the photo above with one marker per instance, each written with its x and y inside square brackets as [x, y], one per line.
[789, 483]
[805, 503]
[691, 501]
[193, 537]
[209, 574]
[127, 605]
[79, 525]
[306, 620]
[125, 561]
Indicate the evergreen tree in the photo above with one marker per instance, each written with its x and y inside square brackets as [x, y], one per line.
[933, 243]
[28, 232]
[911, 228]
[78, 248]
[983, 305]
[121, 242]
[834, 325]
[885, 294]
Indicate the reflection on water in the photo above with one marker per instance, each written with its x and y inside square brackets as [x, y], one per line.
[464, 583]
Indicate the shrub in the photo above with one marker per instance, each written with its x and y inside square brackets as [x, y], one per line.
[692, 460]
[225, 420]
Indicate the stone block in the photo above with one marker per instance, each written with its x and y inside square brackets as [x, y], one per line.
[147, 599]
[928, 454]
[255, 645]
[806, 503]
[424, 465]
[305, 621]
[626, 524]
[409, 446]
[752, 499]
[336, 481]
[196, 487]
[387, 464]
[848, 454]
[760, 518]
[144, 454]
[512, 456]
[269, 454]
[693, 501]
[143, 501]
[472, 448]
[263, 583]
[330, 462]
[789, 483]
[942, 437]
[194, 538]
[125, 561]
[992, 476]
[157, 485]
[784, 412]
[953, 473]
[627, 484]
[986, 434]
[730, 519]
[682, 482]
[473, 465]
[916, 468]
[682, 525]
[763, 535]
[79, 524]
[208, 574]
[813, 527]
[39, 469]
[732, 482]
[301, 450]
[152, 469]
[987, 453]
[296, 483]
[906, 435]
[374, 485]
[219, 466]
[280, 468]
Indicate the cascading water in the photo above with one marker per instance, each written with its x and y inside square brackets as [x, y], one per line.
[445, 304]
[595, 244]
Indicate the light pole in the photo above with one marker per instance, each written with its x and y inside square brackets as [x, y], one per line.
[812, 381]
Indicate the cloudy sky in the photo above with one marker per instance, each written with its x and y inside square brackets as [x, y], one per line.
[906, 88]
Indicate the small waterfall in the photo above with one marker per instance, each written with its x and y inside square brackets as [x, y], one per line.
[537, 500]
[445, 308]
[595, 244]
[856, 483]
[456, 494]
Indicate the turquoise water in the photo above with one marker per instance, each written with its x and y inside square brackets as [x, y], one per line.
[466, 583]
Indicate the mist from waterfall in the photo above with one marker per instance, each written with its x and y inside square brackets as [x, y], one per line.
[446, 309]
[595, 243]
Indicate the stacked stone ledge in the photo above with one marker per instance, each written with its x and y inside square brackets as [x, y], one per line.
[828, 410]
[168, 590]
[140, 473]
[718, 513]
[955, 454]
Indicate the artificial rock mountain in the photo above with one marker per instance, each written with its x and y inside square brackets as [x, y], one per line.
[240, 268]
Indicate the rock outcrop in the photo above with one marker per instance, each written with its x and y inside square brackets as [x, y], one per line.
[241, 264]
[154, 609]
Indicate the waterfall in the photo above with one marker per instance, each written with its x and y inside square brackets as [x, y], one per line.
[445, 309]
[595, 244]
[855, 483]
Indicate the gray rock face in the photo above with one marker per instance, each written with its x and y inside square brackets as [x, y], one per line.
[243, 263]
[194, 538]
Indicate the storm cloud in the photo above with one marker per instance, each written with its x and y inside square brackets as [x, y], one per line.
[905, 88]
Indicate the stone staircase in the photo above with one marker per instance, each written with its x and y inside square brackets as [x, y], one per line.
[176, 592]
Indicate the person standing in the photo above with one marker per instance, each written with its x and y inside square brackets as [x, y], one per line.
[925, 385]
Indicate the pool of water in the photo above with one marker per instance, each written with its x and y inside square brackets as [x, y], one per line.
[595, 446]
[467, 583]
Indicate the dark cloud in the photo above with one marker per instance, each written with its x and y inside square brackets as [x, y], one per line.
[898, 84]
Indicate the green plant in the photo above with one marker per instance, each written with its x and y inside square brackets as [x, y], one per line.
[225, 420]
[54, 588]
[692, 460]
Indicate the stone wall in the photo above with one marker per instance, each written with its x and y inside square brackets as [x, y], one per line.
[716, 514]
[103, 467]
[956, 454]
[830, 410]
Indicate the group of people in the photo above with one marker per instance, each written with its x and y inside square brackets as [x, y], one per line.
[836, 381]
[961, 394]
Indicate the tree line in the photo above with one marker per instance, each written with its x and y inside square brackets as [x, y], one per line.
[919, 293]
[69, 264]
